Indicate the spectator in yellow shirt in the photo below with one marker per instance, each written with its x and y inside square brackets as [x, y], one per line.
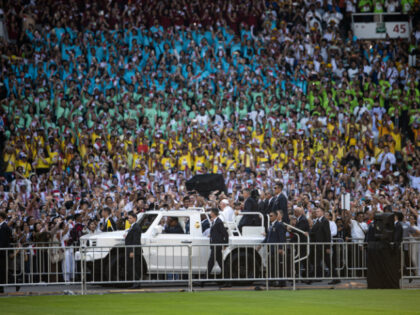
[167, 161]
[9, 159]
[184, 161]
[42, 162]
[23, 162]
[199, 161]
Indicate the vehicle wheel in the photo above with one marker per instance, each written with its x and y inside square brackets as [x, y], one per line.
[114, 268]
[95, 270]
[244, 265]
[88, 271]
[142, 270]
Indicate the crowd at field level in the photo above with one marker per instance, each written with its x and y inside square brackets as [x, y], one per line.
[120, 112]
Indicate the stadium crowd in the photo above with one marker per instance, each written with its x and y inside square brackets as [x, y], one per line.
[114, 105]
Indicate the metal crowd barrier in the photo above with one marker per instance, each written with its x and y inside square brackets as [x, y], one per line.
[410, 260]
[23, 266]
[187, 264]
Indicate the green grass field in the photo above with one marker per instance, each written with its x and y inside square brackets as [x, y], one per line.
[225, 302]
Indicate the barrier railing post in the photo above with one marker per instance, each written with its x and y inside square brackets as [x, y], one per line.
[293, 267]
[402, 265]
[267, 267]
[190, 280]
[83, 269]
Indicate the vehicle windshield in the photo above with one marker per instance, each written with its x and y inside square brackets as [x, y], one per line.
[146, 221]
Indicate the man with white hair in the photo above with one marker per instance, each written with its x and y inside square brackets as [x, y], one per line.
[227, 211]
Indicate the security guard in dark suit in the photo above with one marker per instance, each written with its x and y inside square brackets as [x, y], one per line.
[276, 235]
[263, 208]
[397, 236]
[133, 254]
[218, 235]
[303, 225]
[280, 203]
[320, 233]
[251, 205]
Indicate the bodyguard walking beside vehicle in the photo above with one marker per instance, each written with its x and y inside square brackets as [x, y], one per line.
[133, 254]
[218, 235]
[276, 235]
[321, 253]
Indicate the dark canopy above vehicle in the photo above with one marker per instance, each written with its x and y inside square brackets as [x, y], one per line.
[205, 184]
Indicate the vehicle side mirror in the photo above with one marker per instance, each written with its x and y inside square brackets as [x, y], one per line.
[156, 230]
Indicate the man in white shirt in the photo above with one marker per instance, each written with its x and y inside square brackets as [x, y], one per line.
[351, 6]
[228, 215]
[358, 228]
[386, 156]
[305, 120]
[219, 120]
[353, 70]
[202, 117]
[415, 181]
[257, 114]
[332, 16]
[333, 226]
[337, 67]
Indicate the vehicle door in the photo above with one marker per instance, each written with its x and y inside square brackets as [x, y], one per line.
[168, 246]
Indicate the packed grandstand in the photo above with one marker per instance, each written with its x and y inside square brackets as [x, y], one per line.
[116, 104]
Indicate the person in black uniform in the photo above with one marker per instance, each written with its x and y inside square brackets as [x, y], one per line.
[218, 235]
[370, 235]
[397, 239]
[271, 198]
[251, 205]
[263, 208]
[5, 240]
[276, 235]
[320, 254]
[301, 224]
[280, 203]
[109, 223]
[133, 254]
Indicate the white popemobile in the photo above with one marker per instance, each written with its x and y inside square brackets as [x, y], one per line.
[164, 253]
